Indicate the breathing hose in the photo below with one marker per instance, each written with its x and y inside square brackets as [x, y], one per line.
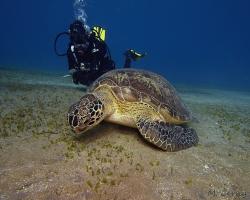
[55, 43]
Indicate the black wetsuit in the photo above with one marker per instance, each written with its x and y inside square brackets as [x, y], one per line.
[89, 59]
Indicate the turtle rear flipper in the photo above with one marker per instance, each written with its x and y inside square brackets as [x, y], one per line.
[168, 137]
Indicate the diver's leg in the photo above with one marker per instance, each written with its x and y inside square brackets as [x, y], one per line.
[127, 63]
[75, 77]
[83, 77]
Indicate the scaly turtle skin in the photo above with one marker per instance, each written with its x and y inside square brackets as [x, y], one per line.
[138, 99]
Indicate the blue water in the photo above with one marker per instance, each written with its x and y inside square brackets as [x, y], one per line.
[189, 42]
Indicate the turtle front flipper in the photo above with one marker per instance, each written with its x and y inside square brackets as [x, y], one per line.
[168, 137]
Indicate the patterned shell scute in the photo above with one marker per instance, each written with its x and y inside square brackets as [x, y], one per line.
[139, 85]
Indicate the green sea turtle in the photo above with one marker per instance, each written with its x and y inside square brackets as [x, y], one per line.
[138, 99]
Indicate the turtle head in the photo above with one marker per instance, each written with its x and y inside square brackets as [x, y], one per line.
[86, 113]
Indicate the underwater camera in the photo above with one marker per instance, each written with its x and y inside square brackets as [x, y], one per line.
[77, 35]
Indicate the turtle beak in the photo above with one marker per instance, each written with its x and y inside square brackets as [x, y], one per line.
[79, 130]
[74, 124]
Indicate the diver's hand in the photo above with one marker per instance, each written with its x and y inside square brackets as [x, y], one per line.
[84, 67]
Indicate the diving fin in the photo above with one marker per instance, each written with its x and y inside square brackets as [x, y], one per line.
[134, 55]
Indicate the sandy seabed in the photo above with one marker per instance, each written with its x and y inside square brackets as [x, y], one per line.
[40, 159]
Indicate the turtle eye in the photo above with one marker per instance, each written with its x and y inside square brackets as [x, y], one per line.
[75, 121]
[70, 118]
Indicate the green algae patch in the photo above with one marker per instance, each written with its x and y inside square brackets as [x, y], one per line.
[112, 182]
[154, 163]
[153, 176]
[188, 182]
[139, 167]
[89, 183]
[231, 121]
[124, 175]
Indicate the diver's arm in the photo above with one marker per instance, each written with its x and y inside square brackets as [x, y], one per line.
[71, 59]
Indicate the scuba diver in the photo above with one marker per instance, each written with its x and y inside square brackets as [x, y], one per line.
[88, 55]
